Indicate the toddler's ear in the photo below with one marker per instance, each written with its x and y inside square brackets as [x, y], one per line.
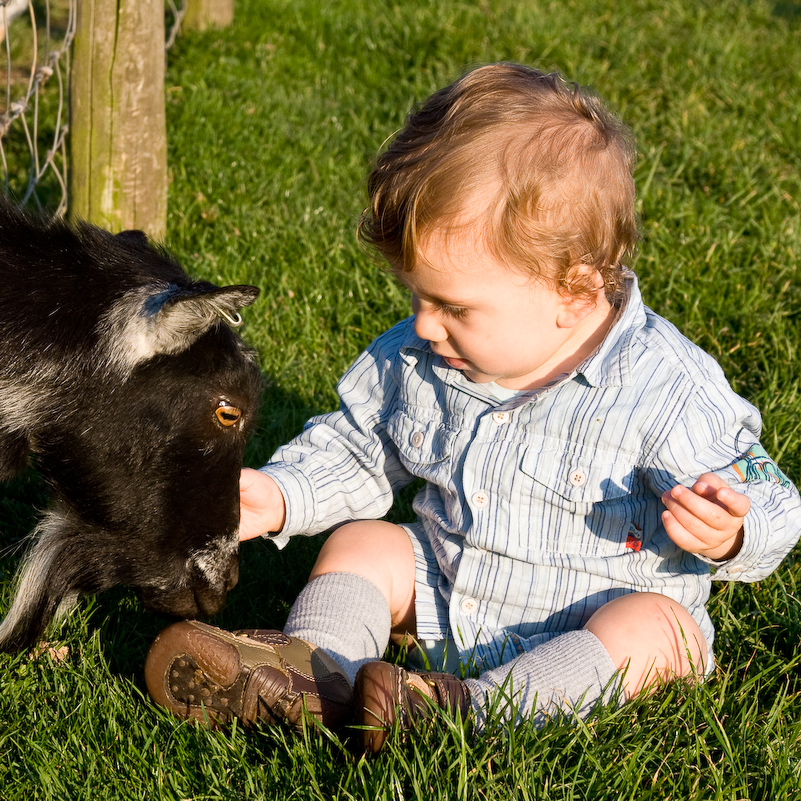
[581, 277]
[576, 294]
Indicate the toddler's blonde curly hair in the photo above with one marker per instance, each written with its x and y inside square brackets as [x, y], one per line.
[552, 167]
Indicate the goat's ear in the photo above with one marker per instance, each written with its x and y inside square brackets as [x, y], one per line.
[179, 318]
[170, 320]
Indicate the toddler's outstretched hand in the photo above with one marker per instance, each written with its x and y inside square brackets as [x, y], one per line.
[261, 505]
[707, 519]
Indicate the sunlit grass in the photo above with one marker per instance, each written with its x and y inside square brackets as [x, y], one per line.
[272, 126]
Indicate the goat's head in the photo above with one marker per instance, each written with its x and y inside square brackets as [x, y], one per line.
[142, 446]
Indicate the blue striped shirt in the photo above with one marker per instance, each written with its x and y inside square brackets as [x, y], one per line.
[539, 509]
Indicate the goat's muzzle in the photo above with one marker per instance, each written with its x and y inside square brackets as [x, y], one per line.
[202, 596]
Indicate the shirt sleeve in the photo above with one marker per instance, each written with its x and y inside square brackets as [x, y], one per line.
[717, 431]
[344, 466]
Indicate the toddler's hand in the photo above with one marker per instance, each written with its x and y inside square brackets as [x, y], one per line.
[707, 519]
[261, 505]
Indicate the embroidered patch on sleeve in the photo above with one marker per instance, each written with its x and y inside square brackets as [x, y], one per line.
[756, 465]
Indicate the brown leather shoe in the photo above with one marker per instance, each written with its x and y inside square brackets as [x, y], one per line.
[386, 694]
[259, 676]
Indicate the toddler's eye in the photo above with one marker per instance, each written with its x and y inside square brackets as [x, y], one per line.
[457, 312]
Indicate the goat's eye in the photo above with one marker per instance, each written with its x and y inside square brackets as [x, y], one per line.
[228, 415]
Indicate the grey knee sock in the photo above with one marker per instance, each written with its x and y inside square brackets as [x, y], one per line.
[345, 615]
[569, 674]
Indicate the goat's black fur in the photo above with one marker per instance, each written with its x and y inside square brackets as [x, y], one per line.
[113, 365]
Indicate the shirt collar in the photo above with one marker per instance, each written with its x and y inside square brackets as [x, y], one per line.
[610, 364]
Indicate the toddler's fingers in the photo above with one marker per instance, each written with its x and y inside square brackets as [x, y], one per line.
[715, 544]
[715, 489]
[687, 522]
[735, 502]
[247, 477]
[689, 506]
[711, 480]
[680, 535]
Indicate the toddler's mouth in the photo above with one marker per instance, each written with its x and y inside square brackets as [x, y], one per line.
[457, 364]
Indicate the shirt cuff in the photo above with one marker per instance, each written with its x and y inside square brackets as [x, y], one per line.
[298, 498]
[745, 566]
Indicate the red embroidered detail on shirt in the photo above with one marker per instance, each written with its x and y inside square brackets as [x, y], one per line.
[634, 539]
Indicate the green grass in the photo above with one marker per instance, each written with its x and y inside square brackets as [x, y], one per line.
[272, 126]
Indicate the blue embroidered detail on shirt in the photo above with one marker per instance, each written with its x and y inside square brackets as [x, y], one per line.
[756, 465]
[517, 644]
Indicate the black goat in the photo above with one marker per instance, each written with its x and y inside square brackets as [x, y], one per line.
[123, 378]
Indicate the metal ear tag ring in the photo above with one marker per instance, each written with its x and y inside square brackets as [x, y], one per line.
[234, 321]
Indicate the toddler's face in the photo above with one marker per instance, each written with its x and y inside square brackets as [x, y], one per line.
[491, 322]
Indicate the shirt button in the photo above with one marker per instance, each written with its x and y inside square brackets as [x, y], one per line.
[418, 438]
[480, 498]
[500, 417]
[468, 605]
[578, 478]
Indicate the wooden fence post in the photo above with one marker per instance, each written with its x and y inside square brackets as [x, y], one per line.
[118, 136]
[203, 14]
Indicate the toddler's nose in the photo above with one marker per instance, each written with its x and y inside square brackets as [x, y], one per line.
[427, 326]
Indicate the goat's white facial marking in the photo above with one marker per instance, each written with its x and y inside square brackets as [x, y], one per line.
[215, 559]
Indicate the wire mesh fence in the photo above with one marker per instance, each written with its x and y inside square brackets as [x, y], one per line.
[35, 42]
[34, 123]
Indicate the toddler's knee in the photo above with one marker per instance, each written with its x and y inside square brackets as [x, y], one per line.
[652, 638]
[345, 549]
[365, 541]
[375, 549]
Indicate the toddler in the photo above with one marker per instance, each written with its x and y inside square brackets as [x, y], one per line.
[587, 470]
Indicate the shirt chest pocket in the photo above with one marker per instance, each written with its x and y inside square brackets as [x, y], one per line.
[423, 445]
[579, 478]
[578, 503]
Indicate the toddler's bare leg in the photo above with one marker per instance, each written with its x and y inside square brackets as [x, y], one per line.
[652, 638]
[631, 644]
[360, 593]
[382, 553]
